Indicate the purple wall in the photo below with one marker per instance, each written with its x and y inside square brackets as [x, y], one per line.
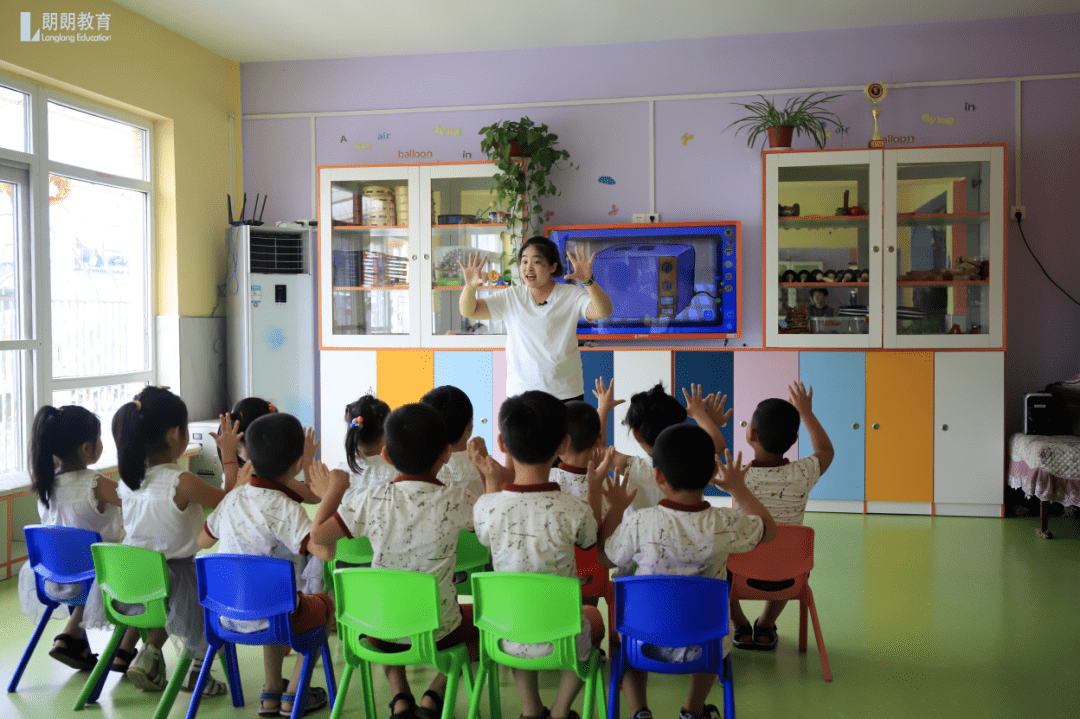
[715, 175]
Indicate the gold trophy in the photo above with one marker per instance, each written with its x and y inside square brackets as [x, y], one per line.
[875, 92]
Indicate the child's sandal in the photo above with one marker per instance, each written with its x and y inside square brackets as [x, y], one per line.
[265, 711]
[126, 657]
[75, 653]
[409, 713]
[765, 638]
[423, 712]
[743, 630]
[316, 699]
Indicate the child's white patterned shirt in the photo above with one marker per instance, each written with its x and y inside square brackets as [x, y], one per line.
[413, 524]
[534, 528]
[784, 488]
[461, 471]
[684, 540]
[572, 480]
[374, 470]
[261, 518]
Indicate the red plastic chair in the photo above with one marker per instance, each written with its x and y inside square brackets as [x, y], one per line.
[781, 570]
[599, 583]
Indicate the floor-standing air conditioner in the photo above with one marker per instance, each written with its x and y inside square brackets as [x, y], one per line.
[271, 319]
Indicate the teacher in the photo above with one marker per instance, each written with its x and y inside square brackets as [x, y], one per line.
[541, 317]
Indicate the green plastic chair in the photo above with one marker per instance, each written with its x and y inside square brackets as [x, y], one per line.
[369, 602]
[132, 575]
[356, 551]
[471, 556]
[532, 609]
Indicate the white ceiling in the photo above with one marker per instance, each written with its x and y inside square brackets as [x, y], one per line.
[268, 30]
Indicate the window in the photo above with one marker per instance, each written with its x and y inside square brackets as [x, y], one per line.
[78, 331]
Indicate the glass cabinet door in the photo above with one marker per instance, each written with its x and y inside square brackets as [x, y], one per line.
[823, 249]
[464, 218]
[943, 251]
[369, 259]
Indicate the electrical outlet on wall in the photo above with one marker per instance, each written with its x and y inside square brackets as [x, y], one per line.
[1018, 209]
[645, 217]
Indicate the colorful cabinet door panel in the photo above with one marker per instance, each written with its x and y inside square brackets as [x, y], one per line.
[636, 371]
[595, 365]
[969, 428]
[346, 376]
[900, 431]
[404, 375]
[758, 376]
[715, 372]
[471, 373]
[498, 396]
[838, 380]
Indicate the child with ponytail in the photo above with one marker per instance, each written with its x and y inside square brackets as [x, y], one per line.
[162, 508]
[75, 497]
[364, 463]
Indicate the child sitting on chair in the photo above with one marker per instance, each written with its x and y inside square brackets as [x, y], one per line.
[781, 485]
[532, 526]
[583, 428]
[457, 412]
[413, 524]
[265, 518]
[684, 535]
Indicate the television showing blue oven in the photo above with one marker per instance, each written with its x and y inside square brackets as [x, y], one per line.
[664, 279]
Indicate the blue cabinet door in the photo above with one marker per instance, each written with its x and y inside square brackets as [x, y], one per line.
[839, 383]
[596, 364]
[471, 373]
[715, 372]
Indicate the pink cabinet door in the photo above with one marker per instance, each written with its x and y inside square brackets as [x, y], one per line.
[758, 376]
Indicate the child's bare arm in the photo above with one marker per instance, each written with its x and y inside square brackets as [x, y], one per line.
[205, 540]
[192, 489]
[732, 480]
[705, 411]
[105, 493]
[494, 474]
[325, 530]
[227, 442]
[320, 551]
[618, 499]
[802, 398]
[595, 474]
[605, 403]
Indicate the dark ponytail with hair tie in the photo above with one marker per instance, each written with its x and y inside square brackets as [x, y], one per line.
[140, 428]
[58, 432]
[365, 417]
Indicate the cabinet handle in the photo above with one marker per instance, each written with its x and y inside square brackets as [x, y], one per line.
[425, 257]
[414, 257]
[875, 425]
[743, 423]
[892, 249]
[944, 428]
[854, 425]
[483, 420]
[877, 249]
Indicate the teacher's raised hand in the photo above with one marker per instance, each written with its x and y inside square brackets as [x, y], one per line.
[582, 262]
[473, 273]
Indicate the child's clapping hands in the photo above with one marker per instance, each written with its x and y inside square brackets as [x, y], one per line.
[615, 492]
[732, 476]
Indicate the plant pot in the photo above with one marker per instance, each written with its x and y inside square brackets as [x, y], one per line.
[780, 136]
[516, 150]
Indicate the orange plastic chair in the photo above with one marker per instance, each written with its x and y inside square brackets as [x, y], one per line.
[599, 583]
[781, 570]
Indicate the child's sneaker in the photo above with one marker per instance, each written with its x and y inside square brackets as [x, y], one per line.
[711, 712]
[643, 714]
[147, 671]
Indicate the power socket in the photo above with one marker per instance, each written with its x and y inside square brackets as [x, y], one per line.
[646, 217]
[1018, 209]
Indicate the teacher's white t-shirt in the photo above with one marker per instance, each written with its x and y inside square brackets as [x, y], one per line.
[541, 340]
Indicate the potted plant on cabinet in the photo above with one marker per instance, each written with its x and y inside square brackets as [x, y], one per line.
[520, 188]
[798, 115]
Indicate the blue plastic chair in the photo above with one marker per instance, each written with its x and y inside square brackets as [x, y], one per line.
[245, 587]
[61, 555]
[645, 614]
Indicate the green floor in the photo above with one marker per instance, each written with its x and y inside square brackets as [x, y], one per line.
[922, 617]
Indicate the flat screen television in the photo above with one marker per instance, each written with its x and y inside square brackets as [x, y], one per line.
[665, 280]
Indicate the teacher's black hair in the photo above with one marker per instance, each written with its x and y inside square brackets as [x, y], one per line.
[548, 250]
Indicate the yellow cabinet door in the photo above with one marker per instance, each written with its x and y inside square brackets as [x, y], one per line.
[900, 427]
[404, 376]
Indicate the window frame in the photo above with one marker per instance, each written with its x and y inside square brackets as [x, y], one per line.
[38, 311]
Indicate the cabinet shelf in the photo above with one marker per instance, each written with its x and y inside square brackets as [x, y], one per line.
[458, 288]
[826, 285]
[370, 288]
[816, 221]
[376, 229]
[473, 226]
[951, 218]
[916, 283]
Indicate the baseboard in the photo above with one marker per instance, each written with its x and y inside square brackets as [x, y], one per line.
[949, 509]
[849, 506]
[899, 508]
